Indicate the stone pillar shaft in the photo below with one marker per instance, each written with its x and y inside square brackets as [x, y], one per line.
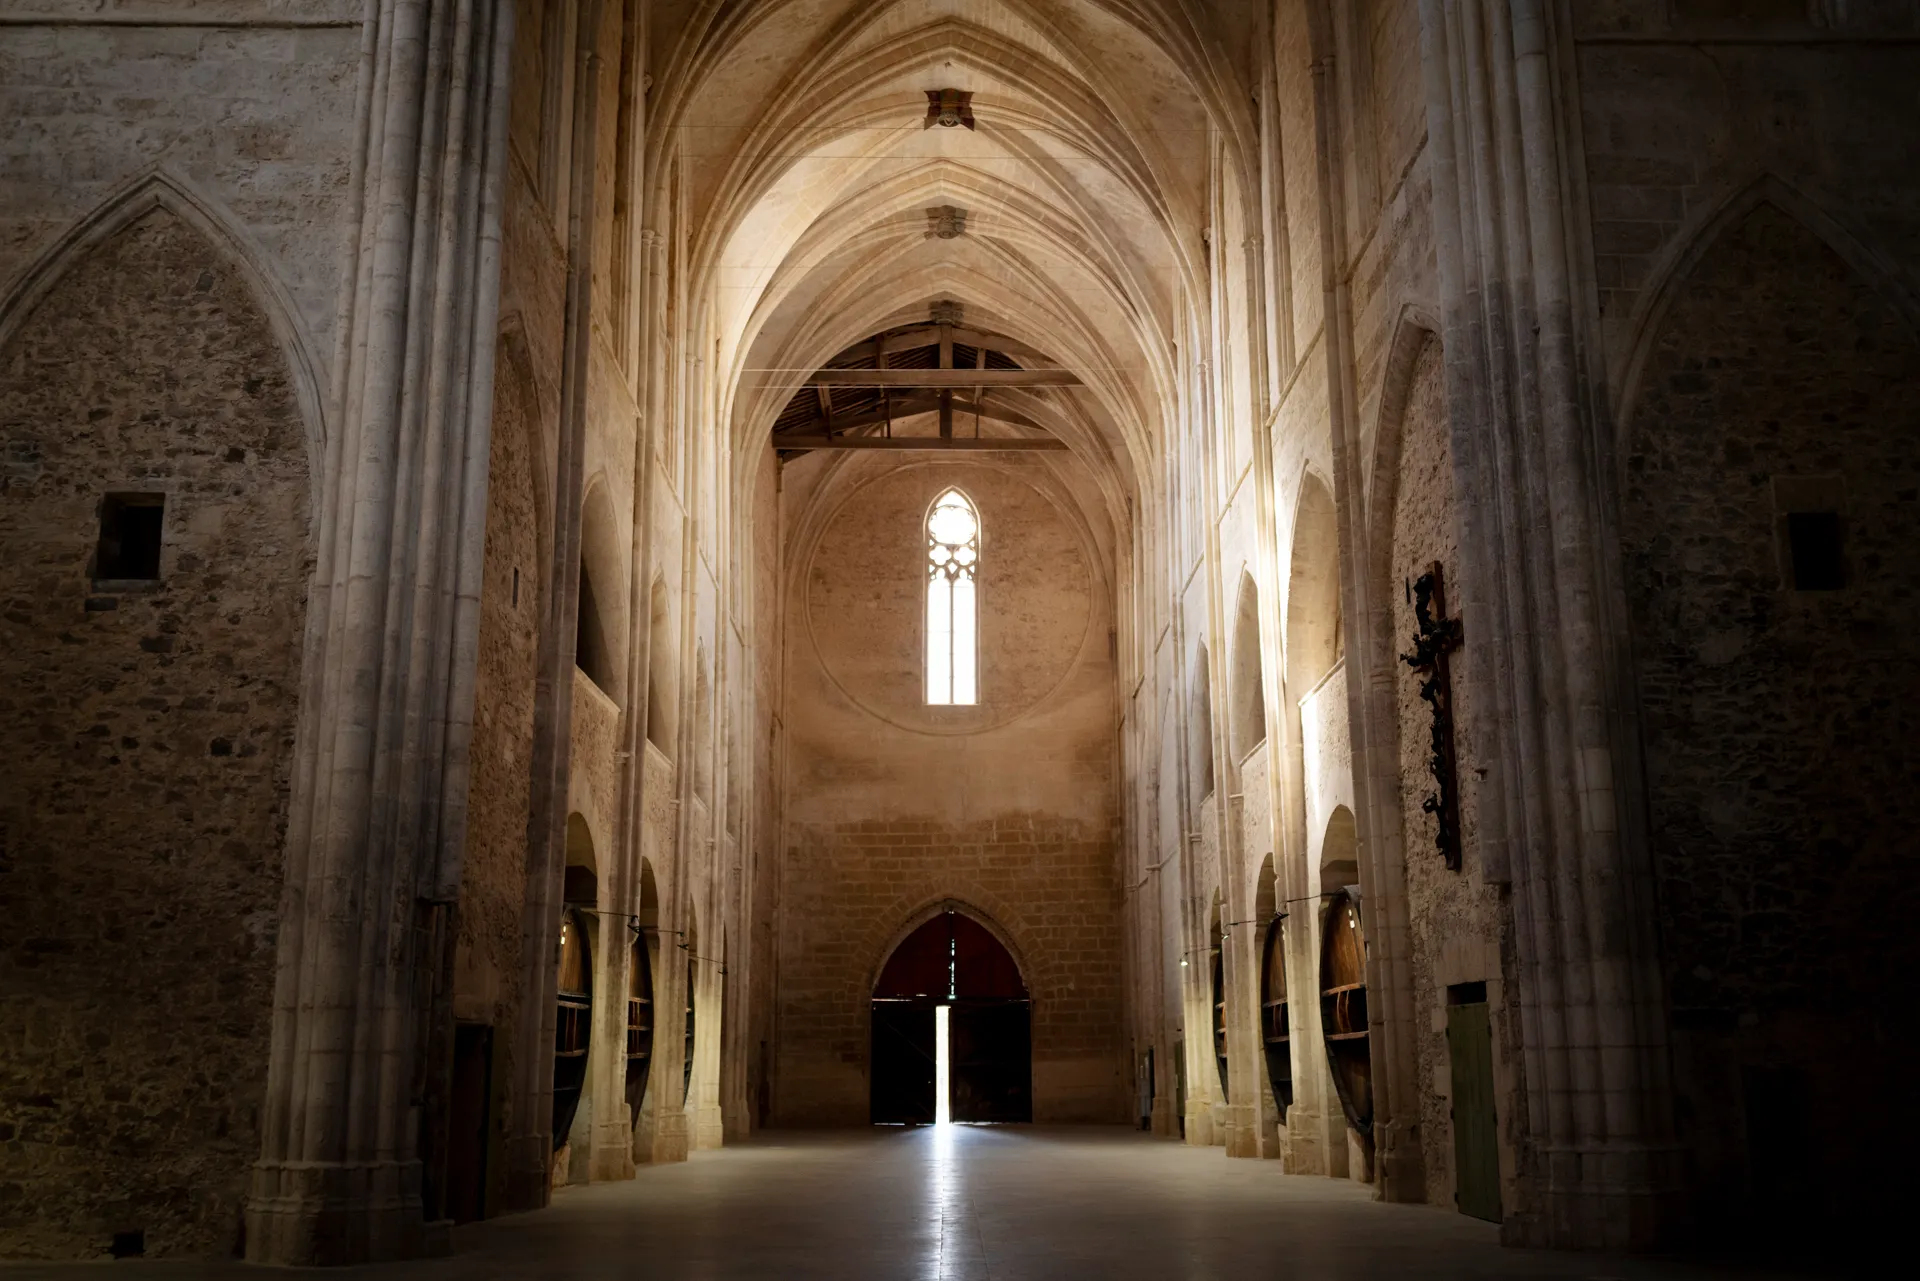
[1597, 1165]
[377, 822]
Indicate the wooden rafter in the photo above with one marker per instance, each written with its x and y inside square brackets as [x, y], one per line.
[972, 444]
[944, 378]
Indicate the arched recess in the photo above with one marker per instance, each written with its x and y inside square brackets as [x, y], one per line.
[1672, 275]
[573, 1025]
[1766, 518]
[600, 648]
[1315, 633]
[691, 1027]
[702, 727]
[1400, 395]
[641, 1011]
[1217, 992]
[663, 670]
[1249, 701]
[1343, 975]
[1276, 1025]
[582, 884]
[161, 189]
[956, 963]
[140, 360]
[1200, 725]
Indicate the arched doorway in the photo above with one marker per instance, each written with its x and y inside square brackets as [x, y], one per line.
[951, 969]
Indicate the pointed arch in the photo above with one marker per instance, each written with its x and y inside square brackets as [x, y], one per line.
[1687, 250]
[1249, 705]
[162, 189]
[931, 910]
[600, 648]
[1315, 638]
[1200, 724]
[1412, 331]
[954, 542]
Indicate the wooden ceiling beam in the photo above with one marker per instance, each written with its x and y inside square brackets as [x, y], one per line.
[928, 335]
[907, 408]
[973, 444]
[938, 378]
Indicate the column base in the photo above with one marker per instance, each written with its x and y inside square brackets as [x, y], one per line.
[1400, 1166]
[710, 1130]
[663, 1140]
[1243, 1131]
[1627, 1198]
[330, 1214]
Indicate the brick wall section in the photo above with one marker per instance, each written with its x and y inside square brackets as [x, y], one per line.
[146, 738]
[1045, 883]
[1777, 722]
[892, 806]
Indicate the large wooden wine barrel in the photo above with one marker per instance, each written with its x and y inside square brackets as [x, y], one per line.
[639, 1024]
[686, 1060]
[573, 1023]
[1343, 1010]
[1220, 1017]
[1275, 1029]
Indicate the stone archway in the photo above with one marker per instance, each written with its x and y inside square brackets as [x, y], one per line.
[952, 970]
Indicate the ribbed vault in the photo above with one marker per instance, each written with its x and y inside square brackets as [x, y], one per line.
[795, 145]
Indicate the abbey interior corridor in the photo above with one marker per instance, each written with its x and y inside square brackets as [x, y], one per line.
[959, 638]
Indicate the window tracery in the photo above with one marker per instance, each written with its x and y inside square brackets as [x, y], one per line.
[953, 559]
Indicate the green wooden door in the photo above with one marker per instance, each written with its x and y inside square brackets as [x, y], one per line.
[1476, 1150]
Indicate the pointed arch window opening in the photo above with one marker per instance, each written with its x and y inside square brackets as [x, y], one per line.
[953, 615]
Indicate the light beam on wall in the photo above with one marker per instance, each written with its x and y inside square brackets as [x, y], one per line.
[942, 1078]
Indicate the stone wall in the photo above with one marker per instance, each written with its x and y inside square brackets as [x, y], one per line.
[147, 730]
[1782, 800]
[1459, 922]
[493, 883]
[893, 806]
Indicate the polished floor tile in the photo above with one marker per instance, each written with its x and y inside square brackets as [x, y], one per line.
[970, 1204]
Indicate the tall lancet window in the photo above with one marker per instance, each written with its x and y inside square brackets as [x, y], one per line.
[953, 624]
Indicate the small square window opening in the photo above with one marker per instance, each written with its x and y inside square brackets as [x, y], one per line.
[130, 536]
[1816, 548]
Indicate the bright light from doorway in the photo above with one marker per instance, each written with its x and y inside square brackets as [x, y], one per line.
[942, 1113]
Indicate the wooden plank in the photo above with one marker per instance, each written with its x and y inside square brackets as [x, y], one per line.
[1476, 1145]
[938, 378]
[976, 444]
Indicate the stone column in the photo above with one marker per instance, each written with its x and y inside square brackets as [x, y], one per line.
[1400, 1173]
[377, 821]
[1598, 1166]
[530, 1143]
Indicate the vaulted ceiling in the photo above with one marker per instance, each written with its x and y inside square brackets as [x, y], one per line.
[792, 138]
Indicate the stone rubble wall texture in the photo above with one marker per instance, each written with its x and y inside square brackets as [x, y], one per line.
[147, 736]
[893, 807]
[1783, 807]
[1459, 923]
[259, 118]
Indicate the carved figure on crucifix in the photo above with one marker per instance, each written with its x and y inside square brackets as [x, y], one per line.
[1435, 639]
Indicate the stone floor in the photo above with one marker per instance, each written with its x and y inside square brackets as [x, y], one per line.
[968, 1203]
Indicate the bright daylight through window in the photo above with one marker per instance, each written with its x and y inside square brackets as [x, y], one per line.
[953, 555]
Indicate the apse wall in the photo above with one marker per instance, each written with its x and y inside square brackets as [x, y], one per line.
[893, 806]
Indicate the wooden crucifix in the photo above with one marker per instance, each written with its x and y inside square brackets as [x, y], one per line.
[1436, 638]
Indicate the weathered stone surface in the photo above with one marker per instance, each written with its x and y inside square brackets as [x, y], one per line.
[147, 746]
[1783, 809]
[1460, 922]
